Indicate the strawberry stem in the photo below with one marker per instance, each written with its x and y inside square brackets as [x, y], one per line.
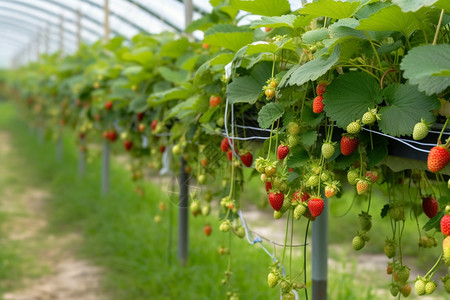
[433, 270]
[438, 27]
[303, 102]
[442, 132]
[285, 239]
[270, 141]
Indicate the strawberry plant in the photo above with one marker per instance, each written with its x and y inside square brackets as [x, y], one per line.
[359, 73]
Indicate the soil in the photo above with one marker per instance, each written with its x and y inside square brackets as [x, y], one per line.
[52, 270]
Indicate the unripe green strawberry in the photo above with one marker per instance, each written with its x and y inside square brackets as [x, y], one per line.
[272, 279]
[225, 226]
[419, 287]
[286, 205]
[352, 176]
[285, 285]
[420, 130]
[446, 282]
[362, 186]
[293, 140]
[288, 296]
[389, 248]
[430, 287]
[365, 220]
[397, 213]
[394, 290]
[299, 211]
[313, 180]
[260, 165]
[206, 209]
[370, 117]
[354, 127]
[327, 150]
[240, 232]
[325, 176]
[277, 214]
[358, 243]
[293, 128]
[403, 274]
[270, 170]
[195, 207]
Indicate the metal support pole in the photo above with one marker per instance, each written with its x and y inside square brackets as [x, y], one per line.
[82, 158]
[47, 39]
[107, 29]
[105, 167]
[61, 36]
[59, 147]
[183, 217]
[320, 255]
[79, 28]
[38, 45]
[188, 12]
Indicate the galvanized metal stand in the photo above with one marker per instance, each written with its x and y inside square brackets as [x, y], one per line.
[81, 160]
[59, 148]
[183, 217]
[105, 167]
[320, 255]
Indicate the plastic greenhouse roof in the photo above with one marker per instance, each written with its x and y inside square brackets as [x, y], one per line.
[25, 25]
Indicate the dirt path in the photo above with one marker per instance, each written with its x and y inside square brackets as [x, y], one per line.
[51, 269]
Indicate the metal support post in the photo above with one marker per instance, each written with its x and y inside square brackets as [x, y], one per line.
[105, 167]
[320, 255]
[183, 218]
[59, 147]
[106, 23]
[188, 12]
[82, 158]
[79, 28]
[61, 36]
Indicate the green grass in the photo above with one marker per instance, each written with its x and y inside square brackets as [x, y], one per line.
[138, 256]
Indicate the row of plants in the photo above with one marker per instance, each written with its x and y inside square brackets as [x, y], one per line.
[332, 84]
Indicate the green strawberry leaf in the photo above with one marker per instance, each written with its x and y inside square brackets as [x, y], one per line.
[298, 158]
[228, 36]
[276, 22]
[244, 89]
[313, 36]
[308, 138]
[444, 201]
[312, 70]
[376, 155]
[331, 9]
[175, 48]
[178, 77]
[434, 222]
[413, 5]
[423, 63]
[269, 113]
[406, 107]
[391, 18]
[349, 96]
[263, 7]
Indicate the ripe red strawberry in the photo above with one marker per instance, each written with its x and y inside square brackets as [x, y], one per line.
[207, 229]
[276, 200]
[247, 159]
[445, 225]
[438, 158]
[320, 88]
[154, 124]
[315, 206]
[268, 186]
[331, 189]
[224, 145]
[230, 155]
[304, 196]
[282, 151]
[162, 148]
[128, 145]
[318, 104]
[295, 196]
[108, 105]
[348, 144]
[430, 206]
[140, 116]
[214, 101]
[112, 135]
